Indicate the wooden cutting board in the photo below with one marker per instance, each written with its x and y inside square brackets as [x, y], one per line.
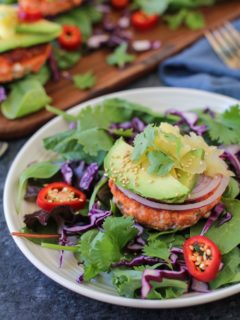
[109, 78]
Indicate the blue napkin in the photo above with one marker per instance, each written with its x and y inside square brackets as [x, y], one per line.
[199, 67]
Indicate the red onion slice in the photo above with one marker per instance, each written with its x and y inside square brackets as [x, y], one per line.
[178, 207]
[206, 186]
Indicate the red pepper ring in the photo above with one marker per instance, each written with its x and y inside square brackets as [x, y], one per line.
[27, 14]
[60, 194]
[142, 21]
[202, 258]
[70, 38]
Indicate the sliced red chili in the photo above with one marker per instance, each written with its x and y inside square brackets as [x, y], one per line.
[202, 258]
[70, 38]
[119, 4]
[29, 14]
[60, 194]
[142, 21]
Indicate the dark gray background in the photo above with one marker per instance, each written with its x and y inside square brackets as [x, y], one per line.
[25, 293]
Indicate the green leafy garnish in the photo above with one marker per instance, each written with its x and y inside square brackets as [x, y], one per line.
[26, 96]
[42, 76]
[99, 249]
[143, 141]
[159, 163]
[66, 59]
[231, 269]
[84, 81]
[120, 57]
[225, 127]
[192, 19]
[41, 170]
[232, 190]
[158, 249]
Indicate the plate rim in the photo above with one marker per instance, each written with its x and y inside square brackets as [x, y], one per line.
[90, 292]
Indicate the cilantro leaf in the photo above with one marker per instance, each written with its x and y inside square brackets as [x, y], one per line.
[143, 141]
[84, 81]
[99, 249]
[127, 282]
[225, 127]
[158, 249]
[121, 229]
[120, 57]
[159, 163]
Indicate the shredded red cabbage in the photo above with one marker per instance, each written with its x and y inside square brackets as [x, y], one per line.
[210, 112]
[231, 154]
[190, 119]
[217, 211]
[3, 94]
[199, 286]
[158, 275]
[67, 173]
[137, 261]
[96, 216]
[54, 67]
[90, 174]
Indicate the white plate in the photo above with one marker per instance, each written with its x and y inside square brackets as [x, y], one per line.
[47, 260]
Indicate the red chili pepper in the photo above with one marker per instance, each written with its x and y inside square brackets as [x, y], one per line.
[202, 258]
[142, 21]
[70, 38]
[60, 194]
[119, 4]
[29, 14]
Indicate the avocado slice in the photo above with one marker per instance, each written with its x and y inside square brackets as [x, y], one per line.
[14, 34]
[132, 176]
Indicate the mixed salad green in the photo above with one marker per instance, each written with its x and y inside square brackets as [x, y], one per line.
[78, 212]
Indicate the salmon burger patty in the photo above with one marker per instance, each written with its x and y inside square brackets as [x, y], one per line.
[49, 8]
[17, 63]
[156, 218]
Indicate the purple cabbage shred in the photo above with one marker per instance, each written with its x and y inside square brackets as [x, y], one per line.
[137, 261]
[67, 173]
[54, 67]
[90, 174]
[96, 216]
[3, 94]
[199, 286]
[232, 155]
[217, 211]
[190, 119]
[158, 275]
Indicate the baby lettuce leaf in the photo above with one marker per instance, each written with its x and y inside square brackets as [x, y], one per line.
[40, 170]
[26, 96]
[226, 236]
[42, 76]
[231, 269]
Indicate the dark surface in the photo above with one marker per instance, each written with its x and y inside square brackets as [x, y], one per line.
[25, 293]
